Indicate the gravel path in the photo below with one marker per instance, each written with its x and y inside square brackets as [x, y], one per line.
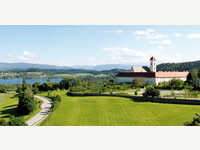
[39, 117]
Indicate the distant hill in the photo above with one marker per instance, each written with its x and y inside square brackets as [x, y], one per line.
[24, 66]
[104, 67]
[184, 66]
[107, 68]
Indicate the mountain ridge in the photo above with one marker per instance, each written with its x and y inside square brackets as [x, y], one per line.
[183, 66]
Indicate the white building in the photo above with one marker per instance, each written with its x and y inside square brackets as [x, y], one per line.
[151, 77]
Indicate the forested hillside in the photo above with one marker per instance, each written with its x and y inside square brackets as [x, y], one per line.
[185, 66]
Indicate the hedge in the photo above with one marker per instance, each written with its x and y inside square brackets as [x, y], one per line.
[143, 99]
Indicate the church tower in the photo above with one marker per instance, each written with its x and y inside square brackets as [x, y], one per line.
[152, 64]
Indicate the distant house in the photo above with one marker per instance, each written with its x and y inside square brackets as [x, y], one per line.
[151, 77]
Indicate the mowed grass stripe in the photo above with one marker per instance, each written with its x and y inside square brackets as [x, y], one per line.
[115, 111]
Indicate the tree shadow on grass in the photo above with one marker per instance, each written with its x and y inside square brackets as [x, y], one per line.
[9, 112]
[14, 96]
[15, 105]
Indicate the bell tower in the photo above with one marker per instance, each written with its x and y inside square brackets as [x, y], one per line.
[152, 64]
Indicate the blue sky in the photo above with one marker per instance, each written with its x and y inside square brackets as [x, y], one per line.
[94, 45]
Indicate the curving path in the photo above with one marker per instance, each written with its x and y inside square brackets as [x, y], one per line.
[44, 112]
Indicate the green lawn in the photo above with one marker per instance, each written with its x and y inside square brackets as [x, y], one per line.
[8, 105]
[114, 111]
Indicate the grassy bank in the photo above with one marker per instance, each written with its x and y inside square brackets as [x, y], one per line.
[115, 111]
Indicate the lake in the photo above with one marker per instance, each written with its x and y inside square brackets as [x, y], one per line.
[29, 81]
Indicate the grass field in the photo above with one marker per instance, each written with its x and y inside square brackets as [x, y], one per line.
[8, 105]
[114, 111]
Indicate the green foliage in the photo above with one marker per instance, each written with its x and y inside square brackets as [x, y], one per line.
[56, 99]
[136, 91]
[193, 80]
[150, 91]
[3, 90]
[195, 121]
[178, 66]
[138, 83]
[163, 85]
[26, 103]
[16, 121]
[35, 90]
[198, 74]
[66, 83]
[176, 84]
[3, 122]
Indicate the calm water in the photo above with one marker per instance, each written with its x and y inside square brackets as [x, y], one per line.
[29, 81]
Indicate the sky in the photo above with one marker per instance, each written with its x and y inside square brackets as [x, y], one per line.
[95, 45]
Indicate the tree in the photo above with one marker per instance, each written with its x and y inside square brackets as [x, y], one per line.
[35, 87]
[150, 91]
[67, 83]
[3, 90]
[195, 121]
[198, 74]
[26, 103]
[136, 91]
[193, 79]
[3, 122]
[138, 83]
[64, 84]
[176, 84]
[35, 90]
[16, 121]
[24, 83]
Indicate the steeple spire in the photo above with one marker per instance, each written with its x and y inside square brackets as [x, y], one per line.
[153, 64]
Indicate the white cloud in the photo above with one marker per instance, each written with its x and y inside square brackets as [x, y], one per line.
[166, 42]
[163, 42]
[114, 31]
[135, 57]
[177, 35]
[150, 34]
[26, 57]
[124, 55]
[28, 54]
[194, 35]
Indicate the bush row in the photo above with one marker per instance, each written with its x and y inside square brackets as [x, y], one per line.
[55, 101]
[13, 121]
[142, 99]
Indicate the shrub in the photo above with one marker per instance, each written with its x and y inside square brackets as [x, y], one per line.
[138, 83]
[163, 85]
[35, 90]
[3, 122]
[151, 92]
[55, 101]
[176, 84]
[3, 90]
[16, 121]
[194, 122]
[136, 91]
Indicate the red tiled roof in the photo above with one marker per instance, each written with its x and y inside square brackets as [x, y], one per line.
[136, 74]
[171, 74]
[153, 74]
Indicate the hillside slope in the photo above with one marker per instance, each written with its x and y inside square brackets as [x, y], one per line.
[185, 66]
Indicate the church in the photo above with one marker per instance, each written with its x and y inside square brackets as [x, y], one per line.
[149, 76]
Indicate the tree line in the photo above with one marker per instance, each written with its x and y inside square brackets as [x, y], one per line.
[185, 66]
